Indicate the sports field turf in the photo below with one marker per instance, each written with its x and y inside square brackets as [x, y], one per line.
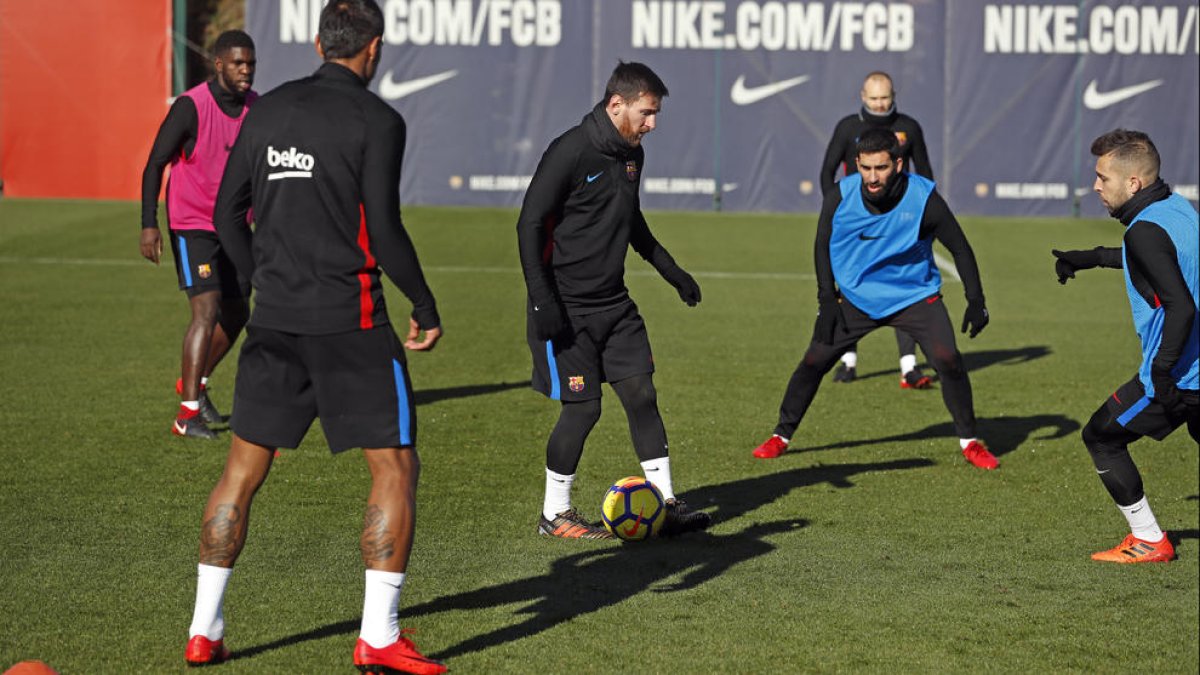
[875, 548]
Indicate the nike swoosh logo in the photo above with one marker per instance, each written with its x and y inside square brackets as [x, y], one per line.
[593, 178]
[1094, 99]
[392, 90]
[180, 429]
[743, 95]
[866, 237]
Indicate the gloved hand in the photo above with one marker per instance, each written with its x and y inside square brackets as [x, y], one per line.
[1165, 391]
[829, 316]
[1070, 262]
[689, 290]
[549, 319]
[976, 317]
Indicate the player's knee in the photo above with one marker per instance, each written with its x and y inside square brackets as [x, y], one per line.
[581, 414]
[948, 362]
[1093, 435]
[638, 392]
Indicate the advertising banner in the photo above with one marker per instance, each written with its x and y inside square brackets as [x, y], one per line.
[1009, 95]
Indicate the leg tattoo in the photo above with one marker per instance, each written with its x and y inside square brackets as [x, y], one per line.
[378, 543]
[220, 536]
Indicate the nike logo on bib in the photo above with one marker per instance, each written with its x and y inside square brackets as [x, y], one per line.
[867, 237]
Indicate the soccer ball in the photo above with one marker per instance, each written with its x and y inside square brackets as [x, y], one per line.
[633, 509]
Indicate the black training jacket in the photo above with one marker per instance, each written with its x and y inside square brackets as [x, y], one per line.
[581, 214]
[319, 160]
[840, 152]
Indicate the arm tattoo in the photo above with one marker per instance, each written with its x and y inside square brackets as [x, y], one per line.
[220, 536]
[378, 544]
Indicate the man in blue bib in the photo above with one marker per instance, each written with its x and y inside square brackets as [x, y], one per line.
[1159, 255]
[874, 263]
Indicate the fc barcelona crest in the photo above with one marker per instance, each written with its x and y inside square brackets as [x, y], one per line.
[204, 270]
[575, 383]
[631, 170]
[901, 137]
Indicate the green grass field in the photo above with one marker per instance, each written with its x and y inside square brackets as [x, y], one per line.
[875, 548]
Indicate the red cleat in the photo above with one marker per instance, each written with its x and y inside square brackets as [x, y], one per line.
[915, 379]
[204, 652]
[771, 448]
[978, 454]
[399, 657]
[1134, 550]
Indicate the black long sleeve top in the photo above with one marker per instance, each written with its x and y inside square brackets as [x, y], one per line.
[319, 160]
[840, 151]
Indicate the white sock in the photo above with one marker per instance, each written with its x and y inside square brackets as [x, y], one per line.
[964, 442]
[1141, 521]
[207, 618]
[558, 494]
[203, 382]
[908, 363]
[191, 405]
[850, 359]
[381, 608]
[658, 471]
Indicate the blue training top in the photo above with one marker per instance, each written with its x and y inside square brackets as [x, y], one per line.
[1177, 217]
[880, 263]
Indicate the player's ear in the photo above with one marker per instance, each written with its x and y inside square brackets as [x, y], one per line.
[616, 103]
[319, 48]
[899, 164]
[374, 48]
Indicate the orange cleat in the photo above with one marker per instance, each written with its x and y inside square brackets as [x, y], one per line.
[204, 652]
[978, 454]
[1134, 550]
[771, 448]
[571, 524]
[399, 657]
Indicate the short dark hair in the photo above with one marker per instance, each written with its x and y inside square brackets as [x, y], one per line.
[1134, 149]
[877, 139]
[232, 39]
[347, 26]
[631, 80]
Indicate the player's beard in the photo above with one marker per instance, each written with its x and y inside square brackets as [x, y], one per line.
[631, 135]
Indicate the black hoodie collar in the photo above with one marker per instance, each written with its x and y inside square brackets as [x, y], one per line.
[604, 135]
[1156, 191]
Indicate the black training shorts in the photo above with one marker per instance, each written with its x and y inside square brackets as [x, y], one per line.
[202, 266]
[1129, 408]
[357, 383]
[606, 346]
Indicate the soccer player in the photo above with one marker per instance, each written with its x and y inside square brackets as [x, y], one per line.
[874, 264]
[195, 139]
[878, 112]
[1159, 255]
[319, 161]
[579, 218]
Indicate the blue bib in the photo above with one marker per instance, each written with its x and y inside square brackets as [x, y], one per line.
[1177, 217]
[880, 264]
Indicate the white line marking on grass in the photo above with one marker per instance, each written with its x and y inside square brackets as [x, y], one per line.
[945, 265]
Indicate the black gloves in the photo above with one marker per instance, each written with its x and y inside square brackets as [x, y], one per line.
[976, 317]
[829, 315]
[1165, 391]
[549, 320]
[689, 290]
[1070, 262]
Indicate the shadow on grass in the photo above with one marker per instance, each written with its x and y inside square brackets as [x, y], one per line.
[976, 361]
[1001, 434]
[587, 581]
[424, 396]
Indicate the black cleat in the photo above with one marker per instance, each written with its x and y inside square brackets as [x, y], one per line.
[193, 427]
[844, 373]
[915, 379]
[208, 412]
[570, 524]
[680, 519]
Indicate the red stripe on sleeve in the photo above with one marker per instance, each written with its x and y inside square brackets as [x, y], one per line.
[366, 307]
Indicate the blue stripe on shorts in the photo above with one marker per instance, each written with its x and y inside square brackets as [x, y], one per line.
[404, 418]
[1133, 410]
[184, 263]
[552, 363]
